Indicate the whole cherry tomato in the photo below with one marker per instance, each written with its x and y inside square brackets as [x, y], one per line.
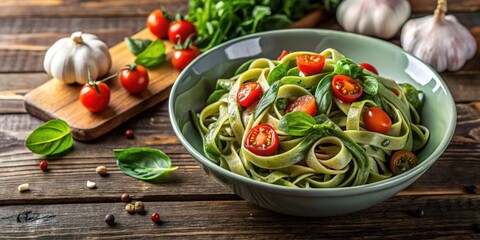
[402, 161]
[262, 140]
[134, 78]
[249, 93]
[158, 23]
[93, 100]
[180, 30]
[346, 89]
[304, 104]
[368, 67]
[376, 120]
[181, 57]
[310, 64]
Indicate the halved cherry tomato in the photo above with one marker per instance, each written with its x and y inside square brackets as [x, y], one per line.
[310, 64]
[134, 78]
[304, 104]
[283, 54]
[180, 30]
[158, 23]
[249, 93]
[182, 57]
[368, 67]
[92, 100]
[262, 140]
[346, 89]
[376, 120]
[402, 161]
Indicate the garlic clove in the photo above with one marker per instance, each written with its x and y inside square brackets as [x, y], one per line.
[439, 40]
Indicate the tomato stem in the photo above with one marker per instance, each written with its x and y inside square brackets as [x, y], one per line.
[95, 83]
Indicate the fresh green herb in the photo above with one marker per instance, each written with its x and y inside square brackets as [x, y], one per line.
[137, 46]
[369, 82]
[153, 55]
[281, 103]
[244, 67]
[280, 71]
[331, 5]
[146, 164]
[386, 142]
[216, 95]
[296, 123]
[51, 138]
[323, 94]
[267, 99]
[412, 95]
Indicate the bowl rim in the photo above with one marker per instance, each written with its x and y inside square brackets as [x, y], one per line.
[361, 189]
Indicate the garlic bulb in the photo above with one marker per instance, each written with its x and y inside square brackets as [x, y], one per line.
[380, 18]
[439, 40]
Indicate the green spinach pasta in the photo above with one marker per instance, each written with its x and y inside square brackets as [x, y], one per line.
[312, 120]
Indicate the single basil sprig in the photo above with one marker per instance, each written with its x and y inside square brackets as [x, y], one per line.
[51, 138]
[137, 46]
[280, 71]
[153, 55]
[146, 164]
[323, 94]
[302, 124]
[412, 95]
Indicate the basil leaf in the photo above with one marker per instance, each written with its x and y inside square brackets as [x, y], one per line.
[267, 99]
[280, 71]
[146, 164]
[369, 84]
[412, 94]
[216, 95]
[153, 55]
[348, 67]
[136, 46]
[244, 67]
[51, 138]
[324, 95]
[296, 123]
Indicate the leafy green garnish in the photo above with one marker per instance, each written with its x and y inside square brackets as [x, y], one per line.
[412, 95]
[280, 71]
[267, 99]
[153, 55]
[51, 138]
[137, 46]
[146, 164]
[296, 123]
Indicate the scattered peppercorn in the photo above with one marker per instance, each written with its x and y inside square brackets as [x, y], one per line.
[155, 217]
[139, 207]
[110, 219]
[476, 228]
[101, 170]
[130, 208]
[419, 213]
[129, 133]
[44, 166]
[125, 197]
[472, 189]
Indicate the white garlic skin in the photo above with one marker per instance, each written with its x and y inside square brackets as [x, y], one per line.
[380, 18]
[443, 42]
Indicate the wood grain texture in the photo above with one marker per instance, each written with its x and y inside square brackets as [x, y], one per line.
[445, 218]
[85, 126]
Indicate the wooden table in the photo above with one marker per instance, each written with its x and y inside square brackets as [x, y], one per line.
[190, 203]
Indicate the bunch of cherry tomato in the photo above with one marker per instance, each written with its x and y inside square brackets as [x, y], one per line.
[263, 140]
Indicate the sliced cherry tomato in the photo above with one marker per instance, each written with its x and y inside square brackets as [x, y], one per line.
[402, 161]
[158, 23]
[91, 99]
[303, 104]
[180, 30]
[346, 89]
[376, 120]
[262, 140]
[249, 93]
[182, 57]
[134, 78]
[283, 54]
[310, 64]
[368, 67]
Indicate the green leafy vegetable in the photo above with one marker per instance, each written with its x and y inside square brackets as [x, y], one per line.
[267, 99]
[153, 55]
[412, 95]
[51, 138]
[137, 46]
[146, 164]
[323, 94]
[296, 123]
[331, 5]
[280, 71]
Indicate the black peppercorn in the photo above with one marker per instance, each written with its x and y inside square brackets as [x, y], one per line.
[419, 213]
[110, 219]
[472, 189]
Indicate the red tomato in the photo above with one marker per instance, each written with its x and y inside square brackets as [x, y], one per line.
[310, 64]
[249, 93]
[368, 67]
[376, 120]
[402, 161]
[158, 24]
[182, 57]
[346, 89]
[134, 78]
[95, 101]
[283, 54]
[304, 104]
[262, 140]
[181, 29]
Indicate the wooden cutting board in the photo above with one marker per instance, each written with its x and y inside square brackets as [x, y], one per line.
[54, 99]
